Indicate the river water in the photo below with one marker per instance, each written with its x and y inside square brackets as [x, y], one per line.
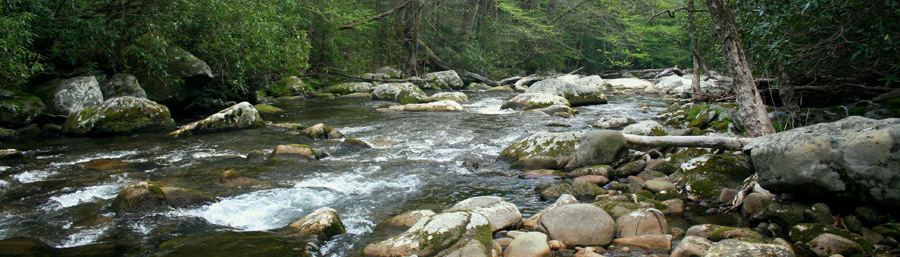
[416, 163]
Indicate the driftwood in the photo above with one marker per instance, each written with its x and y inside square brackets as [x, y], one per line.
[727, 143]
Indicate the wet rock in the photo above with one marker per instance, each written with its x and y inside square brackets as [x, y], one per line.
[645, 128]
[786, 214]
[120, 115]
[320, 131]
[6, 154]
[706, 176]
[852, 223]
[829, 244]
[555, 110]
[500, 214]
[852, 159]
[532, 222]
[104, 164]
[232, 243]
[702, 231]
[642, 222]
[528, 101]
[576, 94]
[122, 84]
[599, 170]
[239, 116]
[673, 206]
[599, 180]
[556, 146]
[819, 213]
[440, 235]
[146, 196]
[806, 232]
[630, 169]
[357, 96]
[500, 88]
[67, 97]
[744, 234]
[176, 85]
[256, 155]
[439, 106]
[590, 252]
[444, 80]
[265, 109]
[288, 87]
[322, 224]
[541, 174]
[657, 186]
[531, 244]
[578, 225]
[294, 152]
[651, 242]
[8, 134]
[735, 248]
[593, 80]
[756, 203]
[350, 88]
[579, 189]
[691, 246]
[390, 71]
[613, 122]
[405, 220]
[355, 143]
[20, 110]
[454, 96]
[600, 147]
[629, 83]
[403, 93]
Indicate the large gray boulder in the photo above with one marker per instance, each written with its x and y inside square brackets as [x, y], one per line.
[528, 101]
[500, 213]
[737, 248]
[66, 97]
[593, 81]
[120, 115]
[390, 71]
[239, 116]
[460, 233]
[550, 148]
[645, 128]
[600, 147]
[350, 88]
[532, 222]
[122, 84]
[642, 222]
[182, 80]
[629, 83]
[20, 111]
[444, 80]
[455, 96]
[578, 225]
[576, 94]
[854, 159]
[403, 93]
[706, 176]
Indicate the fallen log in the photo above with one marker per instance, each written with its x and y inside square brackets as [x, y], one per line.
[727, 143]
[399, 6]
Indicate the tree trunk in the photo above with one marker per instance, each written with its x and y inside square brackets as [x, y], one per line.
[727, 143]
[692, 29]
[410, 37]
[751, 109]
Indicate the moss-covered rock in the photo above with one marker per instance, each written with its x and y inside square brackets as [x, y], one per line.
[122, 84]
[265, 109]
[320, 131]
[705, 176]
[584, 191]
[233, 243]
[239, 116]
[733, 247]
[180, 82]
[147, 196]
[455, 96]
[806, 232]
[576, 94]
[439, 235]
[443, 80]
[600, 147]
[20, 110]
[120, 115]
[350, 88]
[786, 214]
[599, 170]
[528, 101]
[745, 234]
[290, 86]
[548, 145]
[403, 93]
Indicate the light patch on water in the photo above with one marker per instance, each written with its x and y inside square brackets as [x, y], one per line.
[351, 130]
[33, 176]
[4, 184]
[209, 153]
[83, 237]
[490, 106]
[105, 155]
[4, 168]
[89, 194]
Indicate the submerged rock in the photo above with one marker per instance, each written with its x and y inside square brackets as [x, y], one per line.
[122, 84]
[146, 196]
[500, 214]
[120, 115]
[67, 97]
[403, 93]
[444, 80]
[239, 116]
[237, 243]
[459, 233]
[576, 94]
[528, 101]
[320, 131]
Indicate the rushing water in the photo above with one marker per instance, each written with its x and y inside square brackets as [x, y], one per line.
[416, 163]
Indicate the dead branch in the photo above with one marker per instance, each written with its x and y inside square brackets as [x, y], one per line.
[727, 143]
[399, 6]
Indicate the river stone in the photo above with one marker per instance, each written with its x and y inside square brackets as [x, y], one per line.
[439, 235]
[320, 131]
[322, 224]
[528, 101]
[531, 244]
[673, 206]
[236, 243]
[613, 122]
[600, 147]
[651, 242]
[294, 152]
[593, 80]
[500, 88]
[501, 214]
[439, 106]
[20, 111]
[656, 186]
[405, 220]
[595, 179]
[756, 203]
[67, 97]
[374, 76]
[642, 222]
[146, 196]
[122, 84]
[448, 79]
[265, 109]
[555, 110]
[478, 86]
[691, 246]
[629, 83]
[355, 143]
[829, 244]
[120, 115]
[855, 159]
[8, 134]
[579, 189]
[403, 93]
[532, 222]
[746, 234]
[702, 231]
[576, 94]
[390, 71]
[288, 87]
[578, 225]
[599, 170]
[706, 176]
[645, 128]
[819, 213]
[455, 96]
[180, 82]
[558, 147]
[239, 116]
[737, 248]
[349, 88]
[6, 154]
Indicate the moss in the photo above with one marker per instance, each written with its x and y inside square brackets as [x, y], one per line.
[267, 109]
[720, 125]
[484, 235]
[692, 114]
[658, 131]
[723, 233]
[719, 171]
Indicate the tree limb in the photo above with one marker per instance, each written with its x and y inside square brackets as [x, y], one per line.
[727, 143]
[399, 6]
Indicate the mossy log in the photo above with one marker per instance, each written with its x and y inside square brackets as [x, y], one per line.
[727, 143]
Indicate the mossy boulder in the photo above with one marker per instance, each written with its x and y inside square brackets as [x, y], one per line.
[265, 109]
[20, 110]
[239, 116]
[401, 222]
[454, 96]
[120, 115]
[705, 176]
[645, 128]
[599, 170]
[528, 101]
[147, 196]
[584, 191]
[501, 214]
[67, 97]
[554, 146]
[350, 88]
[290, 86]
[600, 148]
[236, 243]
[460, 233]
[403, 93]
[745, 234]
[390, 71]
[443, 80]
[786, 214]
[320, 131]
[576, 94]
[122, 84]
[183, 79]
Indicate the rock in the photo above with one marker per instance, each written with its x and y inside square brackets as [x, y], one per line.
[556, 110]
[785, 214]
[322, 224]
[652, 242]
[669, 83]
[528, 101]
[120, 115]
[556, 245]
[807, 232]
[439, 235]
[599, 170]
[745, 234]
[645, 128]
[122, 84]
[439, 106]
[294, 152]
[558, 147]
[146, 196]
[355, 143]
[702, 231]
[656, 186]
[590, 252]
[390, 71]
[819, 213]
[829, 244]
[642, 222]
[707, 175]
[374, 76]
[613, 122]
[444, 80]
[673, 206]
[357, 96]
[593, 80]
[350, 88]
[576, 94]
[454, 96]
[852, 159]
[265, 109]
[256, 155]
[406, 219]
[320, 131]
[532, 222]
[870, 215]
[691, 246]
[629, 83]
[403, 93]
[288, 87]
[236, 243]
[756, 203]
[104, 164]
[630, 169]
[500, 88]
[478, 86]
[20, 111]
[8, 134]
[600, 147]
[6, 154]
[578, 225]
[180, 82]
[737, 248]
[239, 116]
[595, 179]
[579, 189]
[541, 174]
[67, 97]
[500, 214]
[531, 244]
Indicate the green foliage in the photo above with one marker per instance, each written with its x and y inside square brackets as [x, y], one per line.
[19, 61]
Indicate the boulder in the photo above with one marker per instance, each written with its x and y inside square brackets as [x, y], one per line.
[853, 159]
[6, 154]
[290, 86]
[613, 122]
[579, 189]
[67, 97]
[593, 80]
[320, 131]
[532, 222]
[645, 128]
[600, 147]
[455, 96]
[642, 222]
[350, 88]
[737, 248]
[656, 186]
[182, 80]
[500, 89]
[403, 93]
[120, 115]
[294, 152]
[323, 223]
[558, 147]
[531, 244]
[691, 246]
[444, 80]
[265, 109]
[702, 231]
[404, 220]
[235, 243]
[355, 143]
[460, 233]
[146, 196]
[21, 110]
[556, 110]
[629, 83]
[541, 174]
[830, 244]
[239, 116]
[756, 203]
[439, 106]
[595, 179]
[479, 86]
[501, 214]
[576, 94]
[706, 176]
[122, 84]
[528, 101]
[578, 225]
[650, 242]
[392, 72]
[374, 76]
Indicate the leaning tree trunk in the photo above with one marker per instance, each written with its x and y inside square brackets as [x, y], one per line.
[751, 109]
[692, 29]
[410, 36]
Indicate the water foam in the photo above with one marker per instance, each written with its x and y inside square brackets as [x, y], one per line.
[89, 194]
[33, 176]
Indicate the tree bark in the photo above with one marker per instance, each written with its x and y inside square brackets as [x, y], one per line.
[410, 37]
[692, 29]
[751, 109]
[727, 143]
